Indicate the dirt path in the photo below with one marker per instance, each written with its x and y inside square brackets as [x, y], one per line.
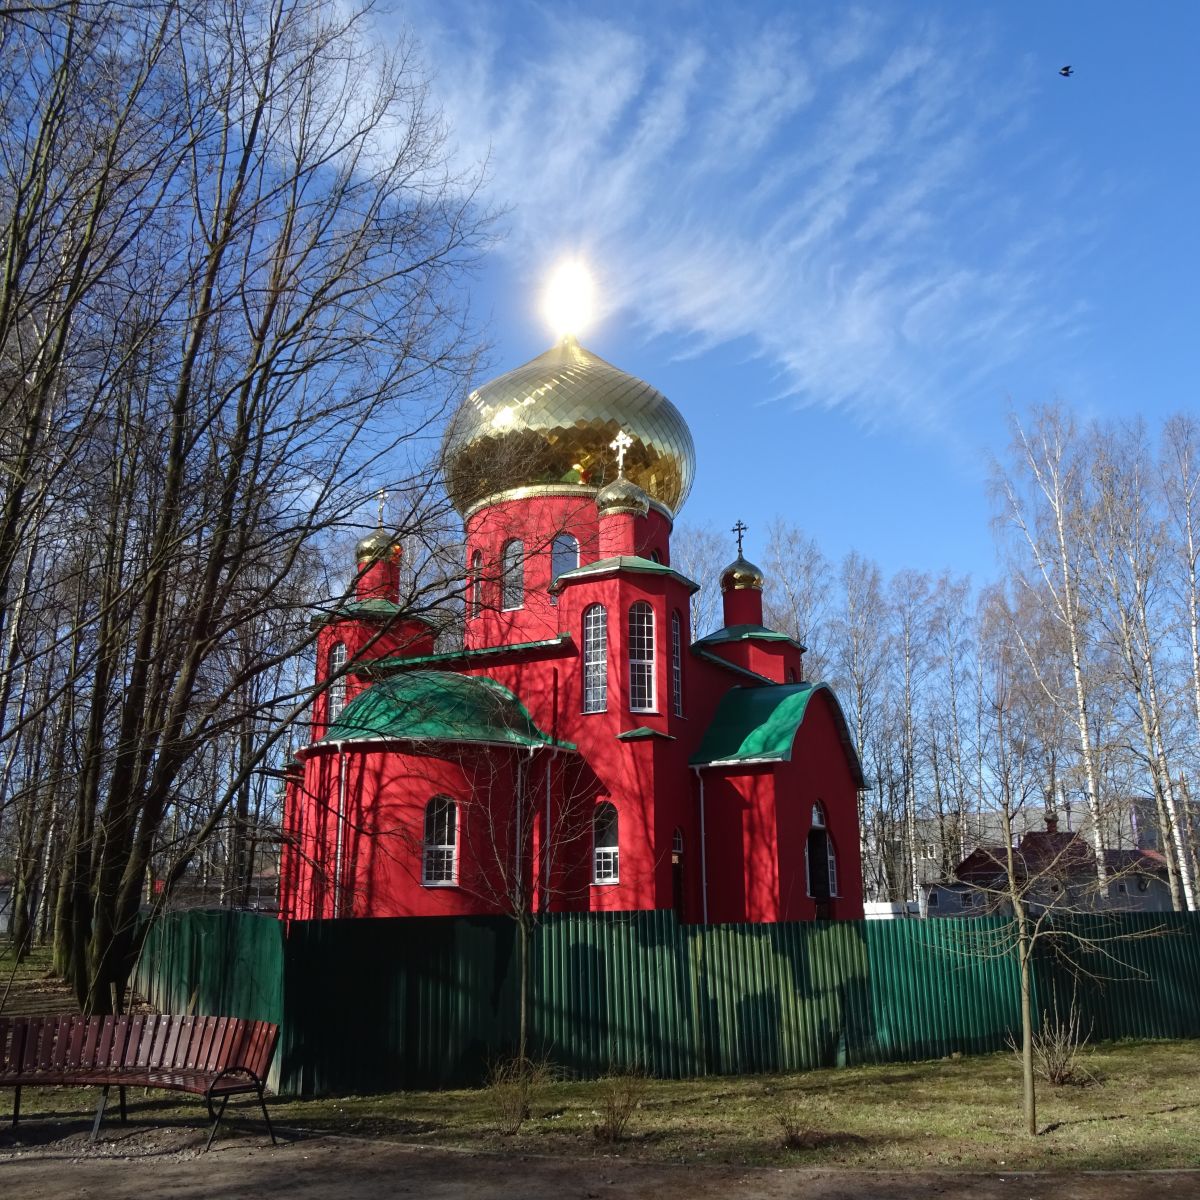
[328, 1168]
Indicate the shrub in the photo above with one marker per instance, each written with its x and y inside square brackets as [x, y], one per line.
[1058, 1046]
[621, 1092]
[511, 1084]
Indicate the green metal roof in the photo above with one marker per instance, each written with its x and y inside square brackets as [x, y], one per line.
[624, 562]
[384, 665]
[718, 661]
[745, 633]
[759, 724]
[642, 732]
[374, 609]
[439, 706]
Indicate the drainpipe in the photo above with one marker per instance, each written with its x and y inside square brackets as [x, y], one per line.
[341, 824]
[703, 853]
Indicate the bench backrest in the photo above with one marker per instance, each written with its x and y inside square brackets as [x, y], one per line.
[168, 1043]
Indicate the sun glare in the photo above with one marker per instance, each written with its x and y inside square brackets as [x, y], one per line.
[567, 302]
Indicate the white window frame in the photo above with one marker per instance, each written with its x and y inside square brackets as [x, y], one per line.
[606, 857]
[595, 659]
[335, 696]
[677, 663]
[642, 682]
[439, 858]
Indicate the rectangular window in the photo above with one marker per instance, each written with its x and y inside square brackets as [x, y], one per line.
[607, 865]
[641, 658]
[676, 665]
[595, 659]
[438, 862]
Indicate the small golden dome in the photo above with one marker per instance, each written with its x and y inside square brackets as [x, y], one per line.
[742, 574]
[550, 423]
[622, 496]
[376, 546]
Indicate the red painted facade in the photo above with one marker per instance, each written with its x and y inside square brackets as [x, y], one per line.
[732, 842]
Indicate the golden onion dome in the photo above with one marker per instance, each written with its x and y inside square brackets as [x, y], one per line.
[622, 496]
[742, 574]
[549, 425]
[375, 546]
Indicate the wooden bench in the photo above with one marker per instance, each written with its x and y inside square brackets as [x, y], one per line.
[213, 1057]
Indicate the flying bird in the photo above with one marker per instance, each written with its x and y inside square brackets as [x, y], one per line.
[1066, 72]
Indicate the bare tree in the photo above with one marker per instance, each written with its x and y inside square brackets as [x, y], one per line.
[700, 552]
[798, 596]
[228, 315]
[1039, 505]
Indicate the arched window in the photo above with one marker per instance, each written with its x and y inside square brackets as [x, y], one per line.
[337, 688]
[475, 586]
[641, 658]
[595, 659]
[564, 555]
[513, 575]
[676, 664]
[605, 852]
[440, 859]
[656, 555]
[820, 860]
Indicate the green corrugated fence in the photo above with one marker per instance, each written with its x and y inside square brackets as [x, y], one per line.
[375, 1005]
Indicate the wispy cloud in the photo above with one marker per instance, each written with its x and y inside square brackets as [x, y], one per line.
[826, 192]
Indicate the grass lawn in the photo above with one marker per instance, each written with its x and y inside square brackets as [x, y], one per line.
[1140, 1111]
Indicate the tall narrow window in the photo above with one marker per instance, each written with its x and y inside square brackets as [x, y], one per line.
[676, 664]
[606, 853]
[564, 555]
[595, 659]
[337, 688]
[440, 859]
[820, 860]
[475, 586]
[513, 575]
[641, 658]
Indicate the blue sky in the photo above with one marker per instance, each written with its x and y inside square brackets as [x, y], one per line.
[844, 239]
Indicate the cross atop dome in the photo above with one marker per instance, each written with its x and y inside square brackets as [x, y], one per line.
[740, 528]
[621, 444]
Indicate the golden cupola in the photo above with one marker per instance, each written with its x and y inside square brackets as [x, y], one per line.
[742, 575]
[376, 546]
[548, 426]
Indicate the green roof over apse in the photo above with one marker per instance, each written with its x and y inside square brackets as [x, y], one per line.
[631, 563]
[759, 724]
[745, 633]
[439, 706]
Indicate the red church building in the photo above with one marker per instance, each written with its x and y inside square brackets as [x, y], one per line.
[581, 751]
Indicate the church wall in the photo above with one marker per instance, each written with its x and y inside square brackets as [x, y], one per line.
[536, 521]
[819, 772]
[775, 660]
[403, 639]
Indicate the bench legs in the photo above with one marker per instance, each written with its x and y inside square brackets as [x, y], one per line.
[219, 1112]
[100, 1110]
[99, 1114]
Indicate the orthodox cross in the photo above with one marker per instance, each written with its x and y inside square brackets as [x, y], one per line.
[740, 529]
[382, 498]
[620, 444]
